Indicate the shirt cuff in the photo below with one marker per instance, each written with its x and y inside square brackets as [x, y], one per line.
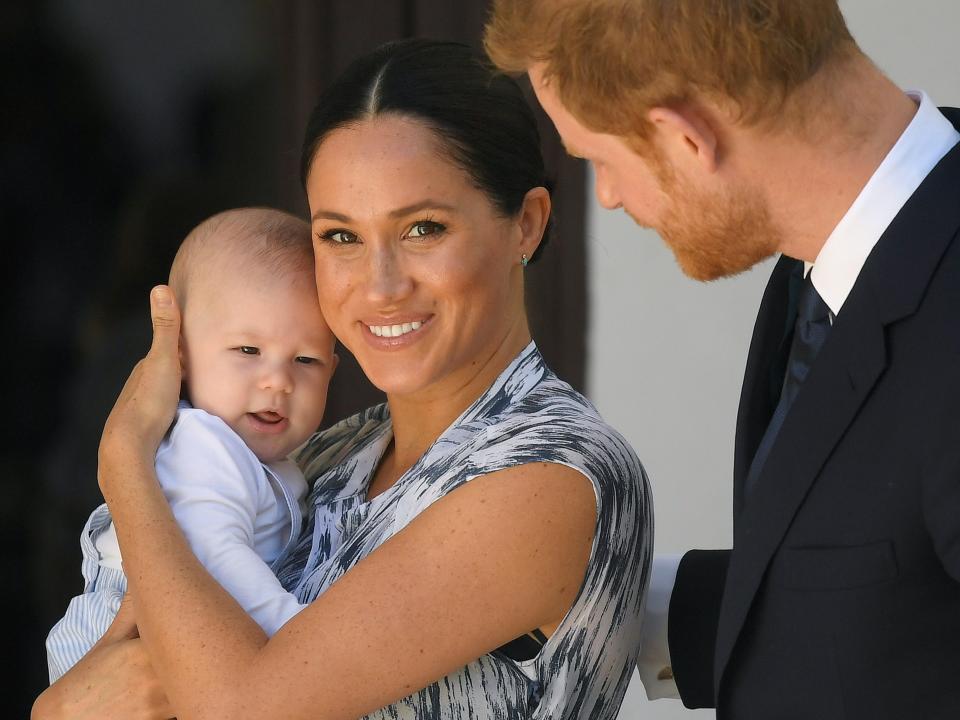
[653, 663]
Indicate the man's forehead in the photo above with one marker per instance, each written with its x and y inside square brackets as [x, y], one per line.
[550, 102]
[568, 127]
[537, 73]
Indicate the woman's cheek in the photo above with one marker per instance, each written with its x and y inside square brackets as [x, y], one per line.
[334, 291]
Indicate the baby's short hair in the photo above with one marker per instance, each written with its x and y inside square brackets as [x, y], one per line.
[272, 240]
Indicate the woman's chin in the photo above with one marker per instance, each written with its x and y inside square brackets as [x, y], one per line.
[395, 384]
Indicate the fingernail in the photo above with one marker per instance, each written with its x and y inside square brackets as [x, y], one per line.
[161, 296]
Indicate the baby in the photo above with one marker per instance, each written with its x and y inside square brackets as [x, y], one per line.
[257, 358]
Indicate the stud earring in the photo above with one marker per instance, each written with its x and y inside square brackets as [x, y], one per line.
[523, 260]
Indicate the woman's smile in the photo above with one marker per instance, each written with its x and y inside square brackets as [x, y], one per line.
[417, 277]
[397, 334]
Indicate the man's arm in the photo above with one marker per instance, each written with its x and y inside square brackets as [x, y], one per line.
[692, 628]
[654, 664]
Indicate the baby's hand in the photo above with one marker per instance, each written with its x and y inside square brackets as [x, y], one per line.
[148, 402]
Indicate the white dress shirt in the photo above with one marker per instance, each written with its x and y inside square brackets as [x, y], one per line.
[927, 139]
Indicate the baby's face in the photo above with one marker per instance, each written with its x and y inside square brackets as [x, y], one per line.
[258, 354]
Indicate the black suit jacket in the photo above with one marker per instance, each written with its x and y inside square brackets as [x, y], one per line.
[841, 596]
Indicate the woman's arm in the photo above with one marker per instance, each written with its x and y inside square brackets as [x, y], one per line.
[496, 558]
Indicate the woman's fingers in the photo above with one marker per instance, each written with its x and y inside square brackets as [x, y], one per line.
[166, 324]
[115, 680]
[124, 625]
[148, 401]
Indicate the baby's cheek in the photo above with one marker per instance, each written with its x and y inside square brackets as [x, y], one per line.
[315, 407]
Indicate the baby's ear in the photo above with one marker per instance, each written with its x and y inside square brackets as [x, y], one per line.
[183, 368]
[182, 356]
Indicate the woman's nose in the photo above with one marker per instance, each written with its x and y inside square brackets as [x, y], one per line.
[387, 280]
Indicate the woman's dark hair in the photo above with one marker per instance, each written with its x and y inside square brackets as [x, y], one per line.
[479, 114]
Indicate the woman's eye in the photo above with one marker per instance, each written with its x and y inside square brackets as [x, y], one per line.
[340, 237]
[249, 350]
[305, 360]
[424, 228]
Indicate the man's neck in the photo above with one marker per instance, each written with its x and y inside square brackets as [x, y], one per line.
[811, 181]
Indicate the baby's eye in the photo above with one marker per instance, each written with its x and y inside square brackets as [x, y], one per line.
[339, 236]
[305, 360]
[249, 350]
[424, 228]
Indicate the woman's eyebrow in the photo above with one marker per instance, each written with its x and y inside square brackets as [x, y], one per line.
[422, 205]
[330, 215]
[397, 213]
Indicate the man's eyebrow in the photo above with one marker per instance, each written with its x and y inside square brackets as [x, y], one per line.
[571, 151]
[397, 213]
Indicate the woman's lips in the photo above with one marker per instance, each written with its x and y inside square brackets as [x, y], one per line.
[394, 334]
[267, 422]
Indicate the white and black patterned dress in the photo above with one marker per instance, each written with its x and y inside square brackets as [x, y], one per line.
[527, 415]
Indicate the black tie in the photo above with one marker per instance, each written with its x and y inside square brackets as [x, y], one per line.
[810, 331]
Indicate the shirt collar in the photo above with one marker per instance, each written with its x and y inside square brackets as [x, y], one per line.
[928, 137]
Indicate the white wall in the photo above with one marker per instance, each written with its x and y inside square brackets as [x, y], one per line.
[667, 354]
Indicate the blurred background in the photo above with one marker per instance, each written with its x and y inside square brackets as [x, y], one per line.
[126, 123]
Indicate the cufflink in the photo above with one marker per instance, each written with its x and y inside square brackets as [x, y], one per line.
[665, 674]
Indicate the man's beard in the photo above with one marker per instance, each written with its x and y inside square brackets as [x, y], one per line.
[714, 236]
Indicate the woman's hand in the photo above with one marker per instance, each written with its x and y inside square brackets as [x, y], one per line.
[114, 680]
[148, 401]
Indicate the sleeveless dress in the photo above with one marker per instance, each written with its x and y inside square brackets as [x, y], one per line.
[527, 415]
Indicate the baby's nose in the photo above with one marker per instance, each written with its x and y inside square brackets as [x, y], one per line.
[278, 378]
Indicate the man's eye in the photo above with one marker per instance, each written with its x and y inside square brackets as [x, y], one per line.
[424, 228]
[339, 237]
[305, 360]
[249, 350]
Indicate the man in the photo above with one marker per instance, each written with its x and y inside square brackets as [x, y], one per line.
[739, 129]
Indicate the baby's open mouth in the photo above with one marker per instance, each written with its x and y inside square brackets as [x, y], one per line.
[268, 416]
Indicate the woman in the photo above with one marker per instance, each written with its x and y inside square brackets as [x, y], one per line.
[479, 546]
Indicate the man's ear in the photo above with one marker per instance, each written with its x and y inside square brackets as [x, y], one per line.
[334, 362]
[686, 135]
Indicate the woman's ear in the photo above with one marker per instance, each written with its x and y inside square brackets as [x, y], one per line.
[685, 135]
[534, 215]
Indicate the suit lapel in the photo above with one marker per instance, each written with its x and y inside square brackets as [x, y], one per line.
[846, 370]
[889, 288]
[759, 395]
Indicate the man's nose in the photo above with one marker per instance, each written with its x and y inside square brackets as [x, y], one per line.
[604, 189]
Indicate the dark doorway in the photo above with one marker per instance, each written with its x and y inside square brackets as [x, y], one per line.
[125, 124]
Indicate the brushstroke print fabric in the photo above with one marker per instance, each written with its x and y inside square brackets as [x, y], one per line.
[527, 415]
